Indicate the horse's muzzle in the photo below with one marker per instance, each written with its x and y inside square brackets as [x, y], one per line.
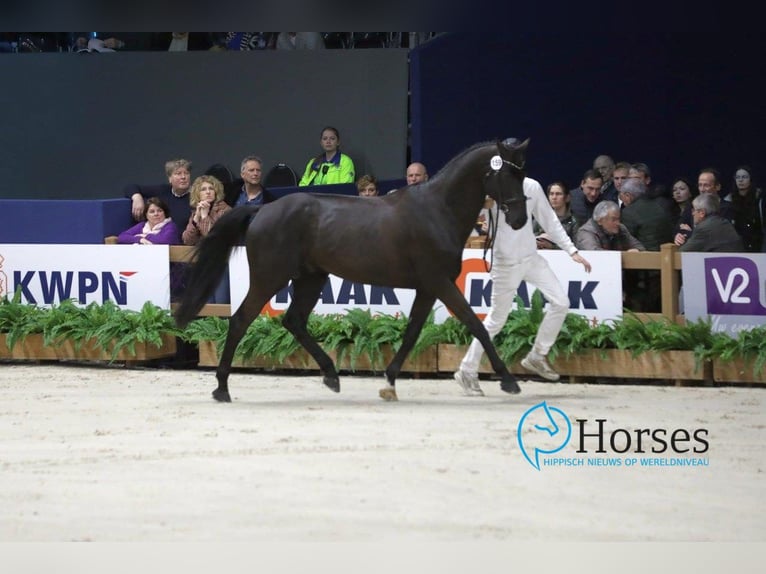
[515, 220]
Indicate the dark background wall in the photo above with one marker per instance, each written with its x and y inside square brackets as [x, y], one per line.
[674, 98]
[81, 126]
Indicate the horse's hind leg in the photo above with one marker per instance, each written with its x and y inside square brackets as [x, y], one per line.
[421, 307]
[306, 290]
[451, 296]
[238, 324]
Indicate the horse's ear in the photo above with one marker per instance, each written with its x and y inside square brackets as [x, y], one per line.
[523, 145]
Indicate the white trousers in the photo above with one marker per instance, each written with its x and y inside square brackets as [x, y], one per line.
[505, 281]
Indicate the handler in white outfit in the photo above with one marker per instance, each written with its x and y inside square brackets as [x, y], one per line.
[515, 260]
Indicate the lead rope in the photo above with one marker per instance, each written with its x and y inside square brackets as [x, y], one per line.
[490, 242]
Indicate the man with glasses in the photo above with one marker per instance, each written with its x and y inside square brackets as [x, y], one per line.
[711, 233]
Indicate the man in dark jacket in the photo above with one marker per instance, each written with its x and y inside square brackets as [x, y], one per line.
[711, 233]
[646, 218]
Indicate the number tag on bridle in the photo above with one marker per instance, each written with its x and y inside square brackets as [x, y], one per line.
[496, 163]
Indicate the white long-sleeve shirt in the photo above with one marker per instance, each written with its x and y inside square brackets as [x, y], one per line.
[512, 246]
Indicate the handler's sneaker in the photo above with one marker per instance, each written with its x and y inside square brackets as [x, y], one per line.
[539, 364]
[469, 384]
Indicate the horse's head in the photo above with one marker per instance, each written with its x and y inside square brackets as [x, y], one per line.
[504, 181]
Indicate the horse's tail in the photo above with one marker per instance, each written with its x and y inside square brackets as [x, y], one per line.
[211, 257]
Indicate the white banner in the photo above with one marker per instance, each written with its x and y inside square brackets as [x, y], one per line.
[128, 275]
[597, 296]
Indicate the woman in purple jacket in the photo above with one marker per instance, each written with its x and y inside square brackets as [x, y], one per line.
[158, 229]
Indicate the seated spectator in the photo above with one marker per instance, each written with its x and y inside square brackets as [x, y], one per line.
[158, 229]
[711, 233]
[300, 41]
[645, 218]
[604, 164]
[252, 191]
[416, 173]
[175, 193]
[110, 41]
[744, 205]
[558, 197]
[604, 232]
[206, 199]
[181, 41]
[367, 186]
[584, 199]
[330, 166]
[245, 41]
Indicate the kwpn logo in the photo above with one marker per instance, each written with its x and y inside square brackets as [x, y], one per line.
[542, 430]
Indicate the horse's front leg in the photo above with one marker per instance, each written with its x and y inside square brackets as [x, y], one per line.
[451, 296]
[306, 290]
[421, 307]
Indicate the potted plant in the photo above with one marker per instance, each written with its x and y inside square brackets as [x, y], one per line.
[95, 332]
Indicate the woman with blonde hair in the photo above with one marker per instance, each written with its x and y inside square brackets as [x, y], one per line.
[206, 200]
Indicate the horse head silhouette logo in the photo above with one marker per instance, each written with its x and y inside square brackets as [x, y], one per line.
[542, 430]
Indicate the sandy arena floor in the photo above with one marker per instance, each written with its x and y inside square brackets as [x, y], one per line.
[110, 454]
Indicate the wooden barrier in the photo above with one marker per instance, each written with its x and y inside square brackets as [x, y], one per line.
[667, 261]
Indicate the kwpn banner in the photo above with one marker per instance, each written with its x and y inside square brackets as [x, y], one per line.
[726, 287]
[128, 275]
[597, 296]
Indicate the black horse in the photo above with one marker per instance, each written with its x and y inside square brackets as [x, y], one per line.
[412, 238]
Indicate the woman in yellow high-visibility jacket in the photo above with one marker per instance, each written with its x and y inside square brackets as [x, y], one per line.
[331, 166]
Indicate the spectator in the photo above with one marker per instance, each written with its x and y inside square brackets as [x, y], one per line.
[175, 193]
[620, 175]
[604, 164]
[712, 233]
[330, 166]
[604, 232]
[584, 198]
[416, 173]
[206, 199]
[645, 218]
[651, 224]
[558, 197]
[367, 186]
[181, 41]
[744, 205]
[516, 260]
[683, 193]
[110, 41]
[708, 182]
[252, 191]
[245, 41]
[300, 41]
[158, 229]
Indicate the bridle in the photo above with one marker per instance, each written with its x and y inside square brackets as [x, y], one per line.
[497, 165]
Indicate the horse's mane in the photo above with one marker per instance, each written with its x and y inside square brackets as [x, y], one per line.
[447, 168]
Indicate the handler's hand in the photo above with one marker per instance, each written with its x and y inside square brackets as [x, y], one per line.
[582, 261]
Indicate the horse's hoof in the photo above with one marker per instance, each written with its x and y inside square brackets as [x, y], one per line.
[332, 383]
[388, 394]
[511, 387]
[221, 396]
